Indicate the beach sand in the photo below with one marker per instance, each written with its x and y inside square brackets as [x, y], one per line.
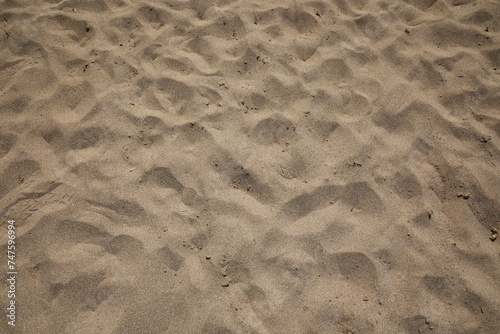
[234, 167]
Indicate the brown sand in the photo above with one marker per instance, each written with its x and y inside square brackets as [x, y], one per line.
[255, 166]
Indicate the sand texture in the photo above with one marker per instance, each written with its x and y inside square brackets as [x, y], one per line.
[248, 167]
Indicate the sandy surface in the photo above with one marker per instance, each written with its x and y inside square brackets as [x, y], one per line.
[224, 167]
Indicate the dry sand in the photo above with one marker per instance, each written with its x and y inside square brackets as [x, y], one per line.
[225, 167]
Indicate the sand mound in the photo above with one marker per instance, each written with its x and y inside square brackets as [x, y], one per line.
[251, 167]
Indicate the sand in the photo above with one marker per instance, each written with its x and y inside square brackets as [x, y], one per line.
[234, 167]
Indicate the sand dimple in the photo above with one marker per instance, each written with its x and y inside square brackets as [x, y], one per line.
[356, 267]
[86, 138]
[274, 130]
[17, 173]
[7, 141]
[163, 177]
[125, 246]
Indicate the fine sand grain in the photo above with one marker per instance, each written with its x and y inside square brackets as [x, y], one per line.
[237, 167]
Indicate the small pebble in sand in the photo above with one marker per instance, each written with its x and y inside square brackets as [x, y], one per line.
[494, 233]
[485, 139]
